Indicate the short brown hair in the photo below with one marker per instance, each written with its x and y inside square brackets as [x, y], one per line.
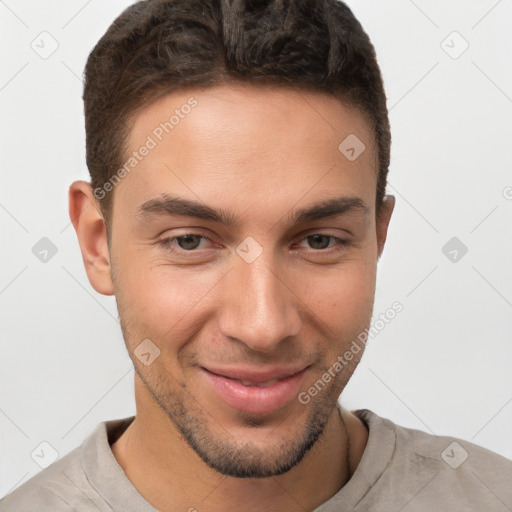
[156, 47]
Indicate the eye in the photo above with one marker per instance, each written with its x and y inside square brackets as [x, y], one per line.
[190, 243]
[320, 241]
[183, 243]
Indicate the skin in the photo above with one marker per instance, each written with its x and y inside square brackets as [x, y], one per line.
[259, 153]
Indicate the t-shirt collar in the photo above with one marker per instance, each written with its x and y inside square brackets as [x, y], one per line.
[108, 478]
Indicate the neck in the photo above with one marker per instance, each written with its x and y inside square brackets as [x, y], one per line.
[168, 473]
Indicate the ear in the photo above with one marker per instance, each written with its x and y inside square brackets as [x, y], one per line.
[388, 205]
[86, 217]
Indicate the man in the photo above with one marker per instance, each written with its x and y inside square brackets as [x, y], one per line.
[238, 154]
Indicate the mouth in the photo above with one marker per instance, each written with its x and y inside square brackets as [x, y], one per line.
[255, 393]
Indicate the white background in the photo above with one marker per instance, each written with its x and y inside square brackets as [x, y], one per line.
[442, 365]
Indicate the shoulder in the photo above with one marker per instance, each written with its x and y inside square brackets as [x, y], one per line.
[41, 492]
[444, 468]
[64, 485]
[450, 451]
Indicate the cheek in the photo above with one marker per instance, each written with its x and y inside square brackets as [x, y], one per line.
[164, 302]
[342, 297]
[169, 303]
[357, 296]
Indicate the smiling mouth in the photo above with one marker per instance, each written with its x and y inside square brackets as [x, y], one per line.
[257, 394]
[261, 385]
[265, 384]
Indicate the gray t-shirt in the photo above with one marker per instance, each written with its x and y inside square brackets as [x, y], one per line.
[401, 469]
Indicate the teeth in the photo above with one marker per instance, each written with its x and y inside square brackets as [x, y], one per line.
[261, 385]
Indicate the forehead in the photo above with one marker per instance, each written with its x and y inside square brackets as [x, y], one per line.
[248, 141]
[233, 108]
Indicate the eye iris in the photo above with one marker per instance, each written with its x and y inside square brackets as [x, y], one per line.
[187, 243]
[316, 239]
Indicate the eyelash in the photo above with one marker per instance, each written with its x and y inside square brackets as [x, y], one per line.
[167, 243]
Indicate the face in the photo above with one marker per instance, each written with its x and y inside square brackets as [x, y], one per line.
[244, 248]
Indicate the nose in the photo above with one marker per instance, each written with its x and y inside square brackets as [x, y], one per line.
[260, 307]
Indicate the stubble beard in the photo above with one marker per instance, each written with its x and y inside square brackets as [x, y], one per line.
[220, 450]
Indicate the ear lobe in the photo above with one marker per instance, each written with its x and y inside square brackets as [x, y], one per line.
[388, 205]
[89, 225]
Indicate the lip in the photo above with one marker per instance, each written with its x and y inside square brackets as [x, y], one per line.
[258, 377]
[255, 399]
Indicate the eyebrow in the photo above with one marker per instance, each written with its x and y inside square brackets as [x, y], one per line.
[179, 207]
